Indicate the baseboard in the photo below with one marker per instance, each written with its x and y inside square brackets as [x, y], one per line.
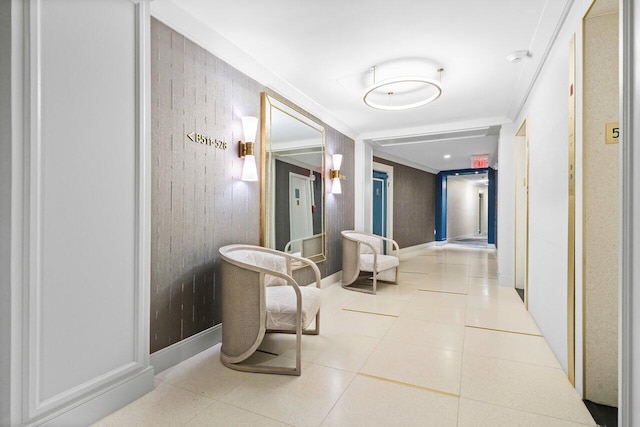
[505, 281]
[330, 280]
[181, 351]
[104, 402]
[409, 249]
[442, 242]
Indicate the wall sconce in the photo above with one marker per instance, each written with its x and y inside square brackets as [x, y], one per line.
[245, 149]
[334, 174]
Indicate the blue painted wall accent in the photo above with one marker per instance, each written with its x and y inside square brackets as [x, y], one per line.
[441, 207]
[441, 202]
[380, 203]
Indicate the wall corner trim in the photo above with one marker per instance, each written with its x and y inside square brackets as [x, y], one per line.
[106, 401]
[330, 280]
[167, 357]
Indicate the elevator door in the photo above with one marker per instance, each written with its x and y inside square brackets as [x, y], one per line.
[380, 203]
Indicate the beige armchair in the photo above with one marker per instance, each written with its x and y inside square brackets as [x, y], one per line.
[364, 261]
[259, 296]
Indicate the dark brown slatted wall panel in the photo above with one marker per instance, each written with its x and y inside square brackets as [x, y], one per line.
[198, 202]
[414, 204]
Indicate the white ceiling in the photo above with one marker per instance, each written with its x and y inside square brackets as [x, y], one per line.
[325, 50]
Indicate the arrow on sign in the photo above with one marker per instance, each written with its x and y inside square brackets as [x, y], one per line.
[191, 136]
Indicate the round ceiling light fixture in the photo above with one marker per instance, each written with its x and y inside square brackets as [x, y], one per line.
[402, 93]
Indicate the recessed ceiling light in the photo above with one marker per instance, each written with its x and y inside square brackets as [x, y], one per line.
[476, 171]
[447, 156]
[457, 174]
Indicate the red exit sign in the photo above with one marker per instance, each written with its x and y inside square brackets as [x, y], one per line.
[480, 161]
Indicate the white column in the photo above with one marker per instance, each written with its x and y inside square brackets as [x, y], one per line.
[79, 199]
[629, 294]
[363, 172]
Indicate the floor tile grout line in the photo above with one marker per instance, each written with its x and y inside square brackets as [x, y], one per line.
[525, 411]
[339, 398]
[433, 390]
[504, 330]
[442, 292]
[253, 412]
[370, 312]
[199, 412]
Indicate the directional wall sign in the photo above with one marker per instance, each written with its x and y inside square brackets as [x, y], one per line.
[202, 139]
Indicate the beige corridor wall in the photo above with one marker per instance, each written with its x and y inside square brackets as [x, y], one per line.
[601, 209]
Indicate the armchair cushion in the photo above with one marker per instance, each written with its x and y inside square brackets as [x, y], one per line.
[385, 262]
[265, 260]
[281, 306]
[374, 241]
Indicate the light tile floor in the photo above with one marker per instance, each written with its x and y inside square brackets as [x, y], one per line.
[444, 347]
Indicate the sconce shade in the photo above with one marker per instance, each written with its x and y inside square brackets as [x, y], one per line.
[337, 161]
[250, 128]
[249, 169]
[336, 186]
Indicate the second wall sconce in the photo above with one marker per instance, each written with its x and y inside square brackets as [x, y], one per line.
[245, 149]
[334, 174]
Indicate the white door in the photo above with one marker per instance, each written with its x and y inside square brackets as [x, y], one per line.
[300, 205]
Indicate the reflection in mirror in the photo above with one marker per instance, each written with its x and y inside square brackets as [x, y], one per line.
[293, 184]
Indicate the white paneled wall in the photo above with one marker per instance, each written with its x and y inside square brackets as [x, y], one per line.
[84, 294]
[547, 116]
[5, 210]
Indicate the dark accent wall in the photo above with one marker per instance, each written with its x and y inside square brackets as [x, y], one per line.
[414, 204]
[198, 201]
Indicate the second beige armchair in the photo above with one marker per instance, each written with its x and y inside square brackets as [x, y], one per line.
[364, 261]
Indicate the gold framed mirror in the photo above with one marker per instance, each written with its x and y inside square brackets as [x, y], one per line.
[292, 193]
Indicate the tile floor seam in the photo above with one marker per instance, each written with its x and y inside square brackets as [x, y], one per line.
[516, 361]
[441, 292]
[193, 392]
[370, 312]
[338, 399]
[421, 345]
[402, 383]
[198, 413]
[255, 413]
[528, 412]
[504, 330]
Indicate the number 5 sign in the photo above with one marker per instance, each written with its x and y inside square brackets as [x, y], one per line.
[612, 133]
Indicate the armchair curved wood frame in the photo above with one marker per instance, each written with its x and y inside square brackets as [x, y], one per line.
[244, 315]
[352, 279]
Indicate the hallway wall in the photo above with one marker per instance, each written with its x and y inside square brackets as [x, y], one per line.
[413, 204]
[601, 193]
[198, 201]
[548, 117]
[5, 210]
[462, 208]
